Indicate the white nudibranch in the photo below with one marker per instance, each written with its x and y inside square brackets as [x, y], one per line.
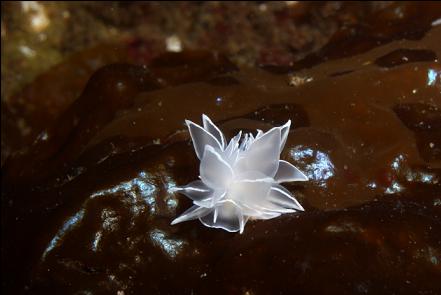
[239, 180]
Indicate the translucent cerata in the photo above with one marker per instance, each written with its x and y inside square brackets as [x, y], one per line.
[239, 179]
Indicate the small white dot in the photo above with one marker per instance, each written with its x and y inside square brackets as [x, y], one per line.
[173, 44]
[218, 100]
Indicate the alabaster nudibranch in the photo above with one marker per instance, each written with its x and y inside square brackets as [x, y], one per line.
[239, 180]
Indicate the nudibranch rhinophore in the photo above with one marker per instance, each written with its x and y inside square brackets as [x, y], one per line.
[239, 180]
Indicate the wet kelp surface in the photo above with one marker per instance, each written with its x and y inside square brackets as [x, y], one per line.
[86, 208]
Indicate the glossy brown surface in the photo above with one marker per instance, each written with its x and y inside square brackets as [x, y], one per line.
[87, 208]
